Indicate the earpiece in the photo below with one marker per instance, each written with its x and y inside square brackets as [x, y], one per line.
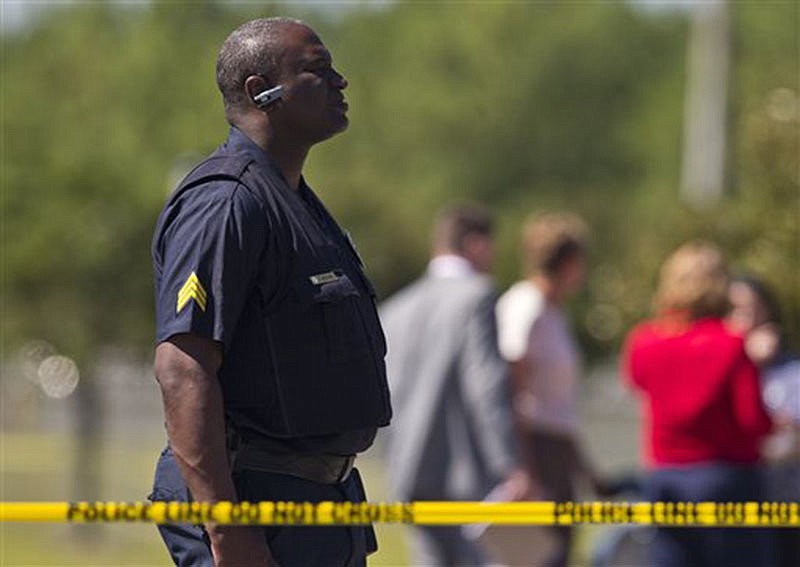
[267, 97]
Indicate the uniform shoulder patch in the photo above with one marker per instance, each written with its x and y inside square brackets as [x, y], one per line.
[192, 289]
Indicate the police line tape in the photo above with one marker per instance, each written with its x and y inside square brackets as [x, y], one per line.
[700, 514]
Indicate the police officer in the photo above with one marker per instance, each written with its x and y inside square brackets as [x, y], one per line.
[270, 352]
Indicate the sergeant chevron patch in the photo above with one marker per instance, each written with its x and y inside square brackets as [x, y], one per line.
[192, 289]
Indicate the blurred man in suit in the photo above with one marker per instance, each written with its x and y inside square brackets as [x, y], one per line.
[452, 435]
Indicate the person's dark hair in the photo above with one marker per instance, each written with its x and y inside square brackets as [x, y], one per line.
[551, 239]
[455, 223]
[764, 294]
[251, 49]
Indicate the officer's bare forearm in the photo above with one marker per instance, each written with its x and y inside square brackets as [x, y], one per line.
[186, 368]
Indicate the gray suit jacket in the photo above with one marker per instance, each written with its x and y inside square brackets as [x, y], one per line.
[451, 436]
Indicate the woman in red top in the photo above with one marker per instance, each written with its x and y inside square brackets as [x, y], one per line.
[703, 415]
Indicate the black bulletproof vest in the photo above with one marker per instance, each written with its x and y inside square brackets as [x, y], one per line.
[307, 355]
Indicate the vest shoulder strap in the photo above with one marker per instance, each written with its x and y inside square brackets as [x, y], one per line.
[217, 167]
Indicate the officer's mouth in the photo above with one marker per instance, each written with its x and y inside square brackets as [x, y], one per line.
[341, 105]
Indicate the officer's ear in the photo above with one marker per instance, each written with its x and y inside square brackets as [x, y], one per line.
[261, 93]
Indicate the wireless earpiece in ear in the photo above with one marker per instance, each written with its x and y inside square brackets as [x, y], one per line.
[267, 97]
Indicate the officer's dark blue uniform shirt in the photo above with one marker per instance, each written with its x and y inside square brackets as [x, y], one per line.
[243, 259]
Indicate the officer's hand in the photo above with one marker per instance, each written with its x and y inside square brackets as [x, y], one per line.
[239, 546]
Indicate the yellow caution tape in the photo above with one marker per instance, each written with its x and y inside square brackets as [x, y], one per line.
[700, 514]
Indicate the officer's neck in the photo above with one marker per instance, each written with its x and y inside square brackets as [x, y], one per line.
[287, 154]
[289, 160]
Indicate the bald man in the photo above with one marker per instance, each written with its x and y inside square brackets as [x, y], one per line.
[270, 355]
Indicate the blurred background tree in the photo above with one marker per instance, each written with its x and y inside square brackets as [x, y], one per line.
[522, 106]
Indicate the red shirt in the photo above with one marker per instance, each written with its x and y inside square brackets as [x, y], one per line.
[700, 393]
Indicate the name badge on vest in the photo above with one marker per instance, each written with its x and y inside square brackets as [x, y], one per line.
[325, 278]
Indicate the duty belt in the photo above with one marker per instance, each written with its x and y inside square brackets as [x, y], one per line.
[322, 469]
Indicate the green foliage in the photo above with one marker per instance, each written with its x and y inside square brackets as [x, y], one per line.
[522, 106]
[94, 115]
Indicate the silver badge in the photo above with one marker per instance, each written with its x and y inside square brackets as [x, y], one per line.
[327, 277]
